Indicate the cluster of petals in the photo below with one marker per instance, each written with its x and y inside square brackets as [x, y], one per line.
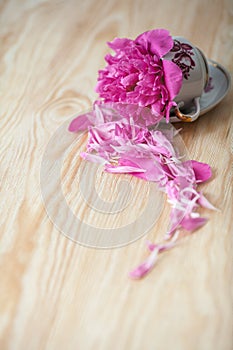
[139, 73]
[124, 143]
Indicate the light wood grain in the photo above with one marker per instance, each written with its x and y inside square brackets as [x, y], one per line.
[56, 294]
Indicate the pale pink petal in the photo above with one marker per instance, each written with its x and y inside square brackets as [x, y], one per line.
[203, 201]
[152, 169]
[80, 123]
[122, 169]
[123, 146]
[192, 224]
[145, 267]
[93, 158]
[161, 247]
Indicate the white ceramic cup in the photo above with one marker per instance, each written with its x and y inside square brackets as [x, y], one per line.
[195, 71]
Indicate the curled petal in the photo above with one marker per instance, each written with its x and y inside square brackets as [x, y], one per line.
[203, 201]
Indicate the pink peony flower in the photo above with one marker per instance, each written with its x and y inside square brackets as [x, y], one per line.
[138, 74]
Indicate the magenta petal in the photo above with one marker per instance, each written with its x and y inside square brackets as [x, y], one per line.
[202, 171]
[130, 79]
[157, 41]
[192, 224]
[151, 246]
[80, 123]
[173, 78]
[145, 267]
[119, 43]
[140, 271]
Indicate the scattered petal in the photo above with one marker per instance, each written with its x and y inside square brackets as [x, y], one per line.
[138, 87]
[203, 201]
[202, 171]
[191, 224]
[145, 267]
[80, 123]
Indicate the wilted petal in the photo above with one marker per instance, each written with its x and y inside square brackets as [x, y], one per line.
[192, 224]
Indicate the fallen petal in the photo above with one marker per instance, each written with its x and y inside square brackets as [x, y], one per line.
[145, 267]
[80, 123]
[203, 201]
[202, 171]
[192, 224]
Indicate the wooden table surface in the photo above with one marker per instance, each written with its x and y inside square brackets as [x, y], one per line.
[57, 294]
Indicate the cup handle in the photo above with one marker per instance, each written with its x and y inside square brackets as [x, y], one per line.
[188, 118]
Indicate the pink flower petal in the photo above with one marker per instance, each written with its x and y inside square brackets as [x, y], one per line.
[157, 42]
[80, 123]
[119, 43]
[161, 247]
[92, 158]
[203, 201]
[130, 79]
[119, 140]
[202, 171]
[149, 263]
[173, 78]
[145, 267]
[192, 224]
[122, 169]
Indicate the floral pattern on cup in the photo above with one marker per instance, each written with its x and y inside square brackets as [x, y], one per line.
[209, 85]
[183, 57]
